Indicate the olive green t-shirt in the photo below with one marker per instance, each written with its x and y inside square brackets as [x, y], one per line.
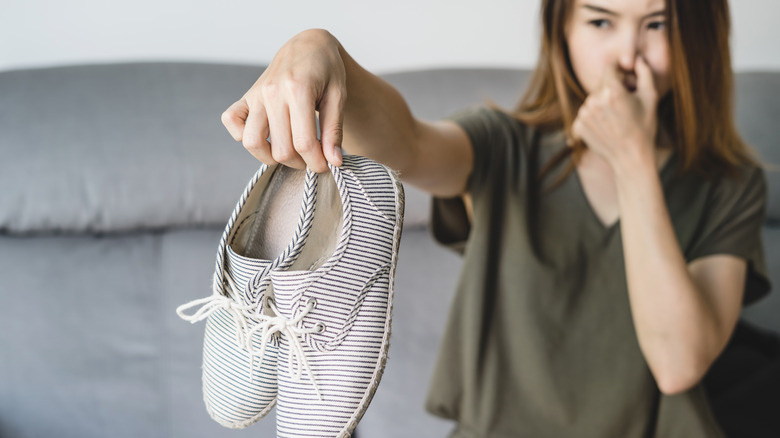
[540, 341]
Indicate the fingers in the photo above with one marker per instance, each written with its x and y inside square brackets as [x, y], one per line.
[332, 126]
[645, 83]
[256, 133]
[282, 149]
[306, 75]
[250, 127]
[303, 124]
[580, 128]
[294, 129]
[611, 78]
[233, 118]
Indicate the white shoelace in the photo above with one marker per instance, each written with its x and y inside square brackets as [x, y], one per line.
[241, 312]
[289, 328]
[242, 315]
[266, 325]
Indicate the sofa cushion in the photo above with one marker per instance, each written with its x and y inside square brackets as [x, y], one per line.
[117, 147]
[758, 112]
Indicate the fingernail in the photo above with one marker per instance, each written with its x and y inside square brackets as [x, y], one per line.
[338, 153]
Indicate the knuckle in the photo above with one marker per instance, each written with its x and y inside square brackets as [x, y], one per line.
[282, 155]
[297, 88]
[269, 90]
[304, 144]
[251, 143]
[227, 116]
[265, 160]
[292, 83]
[263, 154]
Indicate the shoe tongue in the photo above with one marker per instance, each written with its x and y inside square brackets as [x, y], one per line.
[288, 288]
[242, 270]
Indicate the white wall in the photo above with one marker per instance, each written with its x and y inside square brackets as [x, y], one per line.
[383, 36]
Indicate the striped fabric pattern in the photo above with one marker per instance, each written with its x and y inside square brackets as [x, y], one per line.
[349, 298]
[240, 388]
[232, 398]
[290, 253]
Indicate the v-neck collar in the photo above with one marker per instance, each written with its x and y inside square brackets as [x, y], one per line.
[593, 217]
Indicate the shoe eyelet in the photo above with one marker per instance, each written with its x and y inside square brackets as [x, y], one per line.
[312, 302]
[320, 327]
[269, 300]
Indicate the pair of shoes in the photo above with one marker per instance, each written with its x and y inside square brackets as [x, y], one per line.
[302, 297]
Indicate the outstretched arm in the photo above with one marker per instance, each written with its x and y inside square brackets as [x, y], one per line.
[313, 74]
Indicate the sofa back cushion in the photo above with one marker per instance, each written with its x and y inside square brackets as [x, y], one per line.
[120, 147]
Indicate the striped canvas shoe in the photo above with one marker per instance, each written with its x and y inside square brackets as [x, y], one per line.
[266, 231]
[334, 303]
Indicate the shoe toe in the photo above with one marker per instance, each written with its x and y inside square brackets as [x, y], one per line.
[237, 393]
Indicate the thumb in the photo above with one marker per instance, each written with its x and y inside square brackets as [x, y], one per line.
[645, 84]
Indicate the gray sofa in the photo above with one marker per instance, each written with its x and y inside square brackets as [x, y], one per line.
[115, 184]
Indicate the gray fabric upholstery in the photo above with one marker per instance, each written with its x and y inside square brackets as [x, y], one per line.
[765, 311]
[108, 148]
[758, 112]
[139, 146]
[120, 147]
[90, 345]
[116, 183]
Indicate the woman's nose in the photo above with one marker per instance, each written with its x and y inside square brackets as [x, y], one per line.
[628, 49]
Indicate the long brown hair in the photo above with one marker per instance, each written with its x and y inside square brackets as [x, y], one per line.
[698, 111]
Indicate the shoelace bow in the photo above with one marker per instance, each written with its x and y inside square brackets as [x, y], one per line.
[289, 328]
[266, 325]
[241, 312]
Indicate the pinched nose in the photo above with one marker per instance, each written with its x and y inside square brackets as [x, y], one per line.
[627, 47]
[629, 80]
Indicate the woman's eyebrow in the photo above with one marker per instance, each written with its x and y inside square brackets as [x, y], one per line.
[603, 10]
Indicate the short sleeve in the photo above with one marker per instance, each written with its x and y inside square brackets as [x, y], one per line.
[493, 135]
[734, 216]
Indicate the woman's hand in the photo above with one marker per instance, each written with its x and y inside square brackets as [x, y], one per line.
[616, 123]
[276, 119]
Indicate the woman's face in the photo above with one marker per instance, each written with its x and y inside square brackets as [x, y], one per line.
[604, 34]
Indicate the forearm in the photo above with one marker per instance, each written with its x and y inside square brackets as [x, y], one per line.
[377, 121]
[674, 322]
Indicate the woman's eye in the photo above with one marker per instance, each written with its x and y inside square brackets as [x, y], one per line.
[657, 25]
[600, 24]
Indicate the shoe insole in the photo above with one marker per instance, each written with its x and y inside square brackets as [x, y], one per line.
[276, 216]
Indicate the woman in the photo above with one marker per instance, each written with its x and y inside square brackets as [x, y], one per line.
[611, 223]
